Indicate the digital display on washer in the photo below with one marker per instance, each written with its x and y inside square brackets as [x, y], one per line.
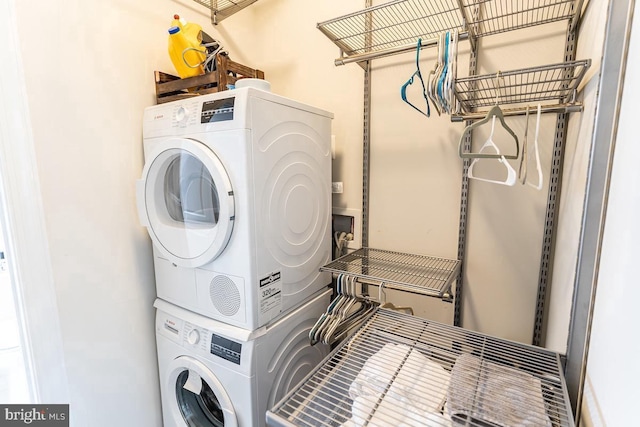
[218, 110]
[225, 348]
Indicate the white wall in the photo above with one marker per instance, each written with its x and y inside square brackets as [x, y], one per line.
[23, 225]
[612, 368]
[89, 74]
[577, 151]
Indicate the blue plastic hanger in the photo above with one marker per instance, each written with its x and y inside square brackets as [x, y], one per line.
[403, 89]
[443, 75]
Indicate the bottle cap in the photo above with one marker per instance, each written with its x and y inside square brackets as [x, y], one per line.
[173, 30]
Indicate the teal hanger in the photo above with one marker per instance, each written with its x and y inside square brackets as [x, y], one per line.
[403, 89]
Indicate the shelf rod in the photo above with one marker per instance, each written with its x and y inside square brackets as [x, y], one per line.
[557, 109]
[391, 51]
[444, 294]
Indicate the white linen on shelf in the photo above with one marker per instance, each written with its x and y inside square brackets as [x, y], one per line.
[399, 386]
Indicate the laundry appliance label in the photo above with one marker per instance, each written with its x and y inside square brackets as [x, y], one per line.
[271, 293]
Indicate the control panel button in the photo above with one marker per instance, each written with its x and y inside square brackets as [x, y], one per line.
[193, 337]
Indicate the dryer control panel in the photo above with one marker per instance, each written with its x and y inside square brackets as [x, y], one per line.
[217, 110]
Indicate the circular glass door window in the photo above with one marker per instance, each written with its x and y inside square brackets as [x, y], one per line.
[190, 194]
[198, 410]
[188, 202]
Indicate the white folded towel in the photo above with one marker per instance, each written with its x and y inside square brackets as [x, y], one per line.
[413, 398]
[378, 371]
[421, 383]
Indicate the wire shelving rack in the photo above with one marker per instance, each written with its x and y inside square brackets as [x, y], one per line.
[418, 274]
[221, 9]
[471, 377]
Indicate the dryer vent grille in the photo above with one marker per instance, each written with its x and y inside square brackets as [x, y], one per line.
[225, 295]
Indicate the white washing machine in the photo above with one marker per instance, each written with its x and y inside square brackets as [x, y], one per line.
[236, 196]
[215, 374]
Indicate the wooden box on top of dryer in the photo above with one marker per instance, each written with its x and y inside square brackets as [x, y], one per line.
[170, 87]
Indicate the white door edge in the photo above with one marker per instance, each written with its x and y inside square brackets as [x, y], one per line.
[25, 231]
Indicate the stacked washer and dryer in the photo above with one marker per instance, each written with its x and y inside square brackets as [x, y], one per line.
[235, 194]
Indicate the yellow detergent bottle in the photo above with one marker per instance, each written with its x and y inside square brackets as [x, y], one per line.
[186, 52]
[191, 30]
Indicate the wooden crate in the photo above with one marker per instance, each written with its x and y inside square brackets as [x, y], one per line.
[171, 88]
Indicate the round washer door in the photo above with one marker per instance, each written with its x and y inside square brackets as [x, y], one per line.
[186, 197]
[200, 399]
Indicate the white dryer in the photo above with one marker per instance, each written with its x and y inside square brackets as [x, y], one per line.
[236, 196]
[215, 374]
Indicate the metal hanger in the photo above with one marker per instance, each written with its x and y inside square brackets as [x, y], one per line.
[494, 112]
[403, 89]
[340, 317]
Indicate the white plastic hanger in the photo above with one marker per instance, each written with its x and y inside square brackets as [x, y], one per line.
[452, 70]
[538, 186]
[522, 170]
[444, 59]
[345, 312]
[511, 173]
[432, 83]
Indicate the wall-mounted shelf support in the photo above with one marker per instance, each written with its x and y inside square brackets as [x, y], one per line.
[222, 9]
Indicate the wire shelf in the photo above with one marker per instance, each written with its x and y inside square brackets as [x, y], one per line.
[499, 16]
[399, 369]
[384, 28]
[221, 9]
[392, 24]
[555, 82]
[413, 273]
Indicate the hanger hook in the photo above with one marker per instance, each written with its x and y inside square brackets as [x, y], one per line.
[382, 295]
